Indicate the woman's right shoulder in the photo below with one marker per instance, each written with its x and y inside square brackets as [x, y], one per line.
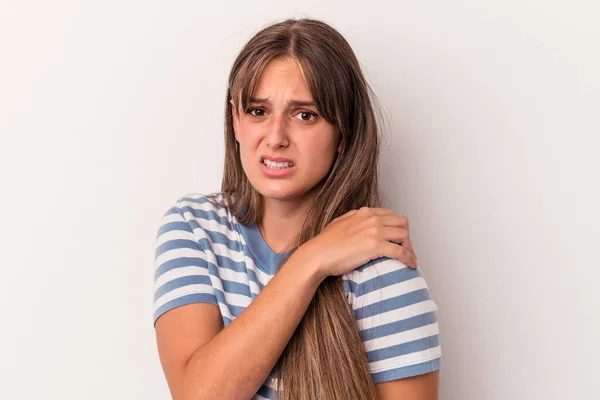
[207, 211]
[215, 200]
[200, 205]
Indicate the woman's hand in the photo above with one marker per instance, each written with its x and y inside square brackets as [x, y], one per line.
[359, 236]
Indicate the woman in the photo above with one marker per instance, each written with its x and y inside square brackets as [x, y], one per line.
[342, 315]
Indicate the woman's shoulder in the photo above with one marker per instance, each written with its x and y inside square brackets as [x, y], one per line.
[203, 200]
[387, 274]
[207, 206]
[374, 268]
[202, 211]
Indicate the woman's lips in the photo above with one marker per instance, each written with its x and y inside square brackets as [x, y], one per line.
[276, 172]
[275, 159]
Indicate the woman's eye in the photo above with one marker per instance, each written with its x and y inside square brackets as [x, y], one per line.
[255, 110]
[307, 115]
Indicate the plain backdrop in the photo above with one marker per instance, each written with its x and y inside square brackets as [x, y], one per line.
[111, 110]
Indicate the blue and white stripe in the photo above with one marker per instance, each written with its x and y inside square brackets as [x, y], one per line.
[204, 255]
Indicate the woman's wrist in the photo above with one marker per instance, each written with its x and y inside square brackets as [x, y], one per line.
[311, 262]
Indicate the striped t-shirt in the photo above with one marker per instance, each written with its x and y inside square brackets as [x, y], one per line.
[203, 254]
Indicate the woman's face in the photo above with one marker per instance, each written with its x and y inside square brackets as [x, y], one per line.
[282, 122]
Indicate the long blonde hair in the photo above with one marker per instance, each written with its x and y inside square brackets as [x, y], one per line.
[325, 358]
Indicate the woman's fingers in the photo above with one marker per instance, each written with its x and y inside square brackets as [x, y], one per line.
[393, 250]
[400, 236]
[408, 245]
[396, 231]
[395, 234]
[394, 220]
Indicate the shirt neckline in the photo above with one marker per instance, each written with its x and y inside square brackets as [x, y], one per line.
[267, 259]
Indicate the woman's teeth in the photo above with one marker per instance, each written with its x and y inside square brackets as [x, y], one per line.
[277, 165]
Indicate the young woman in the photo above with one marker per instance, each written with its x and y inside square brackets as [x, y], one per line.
[292, 282]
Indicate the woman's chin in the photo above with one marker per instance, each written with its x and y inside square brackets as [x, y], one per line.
[280, 191]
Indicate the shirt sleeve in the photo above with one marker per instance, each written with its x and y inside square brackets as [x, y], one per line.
[396, 317]
[181, 269]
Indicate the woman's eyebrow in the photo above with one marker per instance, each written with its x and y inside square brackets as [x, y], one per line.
[291, 102]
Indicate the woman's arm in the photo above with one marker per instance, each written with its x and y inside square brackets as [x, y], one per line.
[420, 387]
[203, 361]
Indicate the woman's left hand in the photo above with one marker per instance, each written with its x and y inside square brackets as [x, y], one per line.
[407, 244]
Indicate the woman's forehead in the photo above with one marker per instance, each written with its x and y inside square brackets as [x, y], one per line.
[282, 76]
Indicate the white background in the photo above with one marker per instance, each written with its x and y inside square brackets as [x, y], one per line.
[110, 110]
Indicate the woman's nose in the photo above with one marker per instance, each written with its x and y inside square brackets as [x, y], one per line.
[276, 134]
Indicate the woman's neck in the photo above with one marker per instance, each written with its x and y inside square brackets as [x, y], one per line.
[281, 222]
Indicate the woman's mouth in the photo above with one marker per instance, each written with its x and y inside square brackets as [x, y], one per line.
[273, 169]
[277, 165]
